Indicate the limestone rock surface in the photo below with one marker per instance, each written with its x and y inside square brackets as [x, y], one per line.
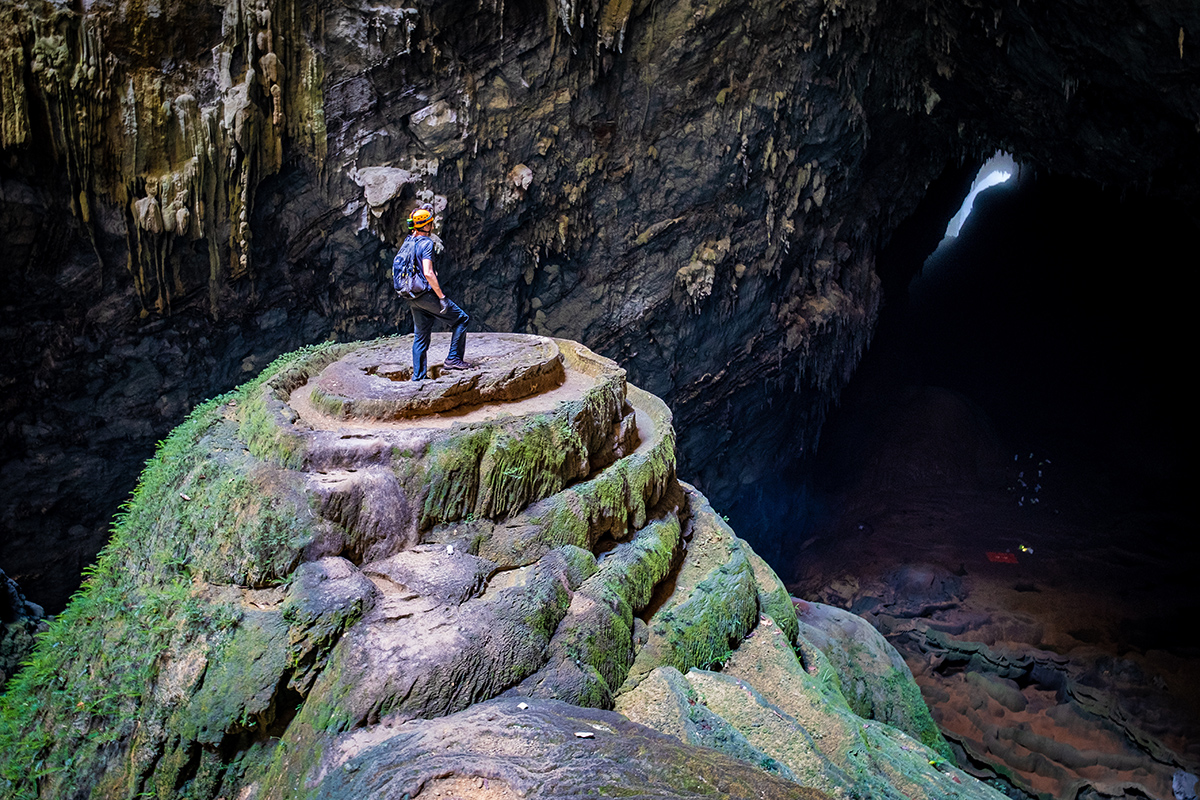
[547, 749]
[300, 603]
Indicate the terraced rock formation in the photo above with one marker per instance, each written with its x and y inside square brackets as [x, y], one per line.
[335, 582]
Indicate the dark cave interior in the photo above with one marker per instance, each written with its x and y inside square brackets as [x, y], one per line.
[1043, 345]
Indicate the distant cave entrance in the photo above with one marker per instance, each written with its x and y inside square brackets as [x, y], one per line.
[998, 169]
[1025, 396]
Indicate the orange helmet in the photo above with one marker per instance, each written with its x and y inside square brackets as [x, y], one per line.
[421, 217]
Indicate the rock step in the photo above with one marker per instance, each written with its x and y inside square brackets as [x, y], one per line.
[614, 502]
[374, 382]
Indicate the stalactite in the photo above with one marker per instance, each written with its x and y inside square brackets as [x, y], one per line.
[206, 159]
[609, 20]
[14, 107]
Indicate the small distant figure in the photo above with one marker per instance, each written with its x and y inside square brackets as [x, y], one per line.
[415, 280]
[1028, 495]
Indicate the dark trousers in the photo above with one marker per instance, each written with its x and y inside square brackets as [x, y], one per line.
[425, 310]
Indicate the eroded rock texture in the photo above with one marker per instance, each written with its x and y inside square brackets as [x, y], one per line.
[308, 604]
[695, 189]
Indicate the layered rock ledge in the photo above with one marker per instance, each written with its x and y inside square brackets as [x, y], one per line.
[336, 582]
[374, 383]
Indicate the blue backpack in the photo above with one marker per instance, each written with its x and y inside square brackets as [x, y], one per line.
[408, 278]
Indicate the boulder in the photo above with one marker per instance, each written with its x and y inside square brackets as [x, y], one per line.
[873, 677]
[536, 749]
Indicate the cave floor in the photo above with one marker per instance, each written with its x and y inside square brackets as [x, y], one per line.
[1104, 601]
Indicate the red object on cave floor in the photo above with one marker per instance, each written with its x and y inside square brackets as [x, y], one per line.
[1002, 558]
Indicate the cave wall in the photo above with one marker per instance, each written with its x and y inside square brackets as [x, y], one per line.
[695, 189]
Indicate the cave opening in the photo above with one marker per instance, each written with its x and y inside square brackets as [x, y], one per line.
[1012, 444]
[996, 170]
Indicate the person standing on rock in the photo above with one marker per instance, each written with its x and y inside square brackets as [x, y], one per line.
[425, 298]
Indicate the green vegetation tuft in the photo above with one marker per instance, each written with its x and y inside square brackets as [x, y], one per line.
[331, 404]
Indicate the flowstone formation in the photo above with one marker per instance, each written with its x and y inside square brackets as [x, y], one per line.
[336, 582]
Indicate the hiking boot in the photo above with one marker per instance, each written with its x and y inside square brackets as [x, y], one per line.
[454, 363]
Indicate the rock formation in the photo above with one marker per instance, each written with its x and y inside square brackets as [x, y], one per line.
[335, 582]
[20, 622]
[696, 189]
[1013, 697]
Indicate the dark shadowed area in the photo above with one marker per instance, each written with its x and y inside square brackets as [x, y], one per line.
[1007, 465]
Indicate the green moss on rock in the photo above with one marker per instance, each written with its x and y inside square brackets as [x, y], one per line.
[845, 752]
[666, 701]
[419, 665]
[615, 502]
[534, 752]
[773, 598]
[874, 679]
[265, 419]
[496, 469]
[452, 474]
[592, 648]
[527, 462]
[239, 685]
[712, 606]
[170, 678]
[204, 508]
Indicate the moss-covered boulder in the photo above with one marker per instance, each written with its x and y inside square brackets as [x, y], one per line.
[710, 605]
[874, 679]
[333, 582]
[791, 718]
[721, 667]
[592, 648]
[505, 750]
